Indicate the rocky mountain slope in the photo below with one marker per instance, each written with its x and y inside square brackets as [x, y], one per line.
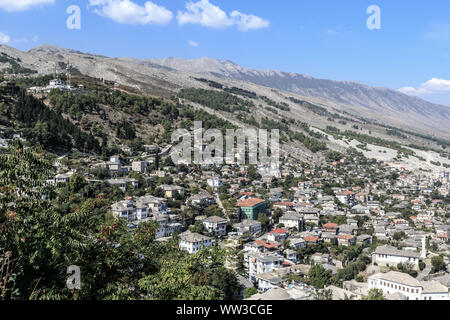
[380, 103]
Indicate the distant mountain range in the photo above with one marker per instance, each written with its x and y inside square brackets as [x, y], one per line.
[379, 103]
[168, 75]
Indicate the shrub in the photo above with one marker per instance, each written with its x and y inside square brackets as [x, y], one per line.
[422, 265]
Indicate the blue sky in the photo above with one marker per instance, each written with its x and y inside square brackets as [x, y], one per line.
[322, 38]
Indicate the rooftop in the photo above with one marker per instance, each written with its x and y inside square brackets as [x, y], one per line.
[249, 202]
[390, 250]
[397, 277]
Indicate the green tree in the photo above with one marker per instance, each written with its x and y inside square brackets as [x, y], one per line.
[422, 265]
[374, 294]
[319, 277]
[264, 220]
[40, 242]
[438, 263]
[248, 292]
[323, 294]
[76, 183]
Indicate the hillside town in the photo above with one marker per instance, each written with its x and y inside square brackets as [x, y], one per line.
[342, 230]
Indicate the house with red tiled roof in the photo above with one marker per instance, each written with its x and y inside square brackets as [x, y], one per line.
[284, 205]
[346, 240]
[346, 196]
[268, 245]
[277, 235]
[242, 195]
[330, 227]
[442, 236]
[311, 239]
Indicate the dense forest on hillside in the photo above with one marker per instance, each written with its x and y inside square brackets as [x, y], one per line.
[216, 100]
[41, 125]
[49, 127]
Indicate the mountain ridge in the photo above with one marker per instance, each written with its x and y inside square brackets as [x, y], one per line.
[379, 103]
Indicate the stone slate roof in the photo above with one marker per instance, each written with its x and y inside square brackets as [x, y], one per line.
[275, 293]
[193, 237]
[433, 287]
[444, 280]
[215, 219]
[398, 277]
[390, 250]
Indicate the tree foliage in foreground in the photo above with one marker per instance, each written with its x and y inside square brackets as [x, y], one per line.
[39, 240]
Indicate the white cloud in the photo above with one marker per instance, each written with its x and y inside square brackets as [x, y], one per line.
[205, 14]
[248, 22]
[4, 38]
[208, 15]
[432, 86]
[128, 12]
[193, 43]
[20, 5]
[339, 31]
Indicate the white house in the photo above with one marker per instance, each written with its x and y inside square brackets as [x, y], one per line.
[253, 247]
[272, 279]
[63, 177]
[203, 199]
[122, 183]
[194, 242]
[140, 209]
[139, 166]
[215, 224]
[214, 182]
[114, 164]
[248, 227]
[346, 197]
[394, 282]
[277, 235]
[154, 204]
[258, 262]
[391, 256]
[125, 209]
[292, 220]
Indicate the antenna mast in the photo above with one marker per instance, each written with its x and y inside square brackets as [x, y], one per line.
[68, 72]
[116, 83]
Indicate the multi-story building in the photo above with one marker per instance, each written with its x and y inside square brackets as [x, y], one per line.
[251, 208]
[140, 208]
[346, 197]
[258, 262]
[125, 209]
[391, 256]
[214, 182]
[248, 227]
[139, 166]
[292, 220]
[402, 283]
[215, 224]
[194, 242]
